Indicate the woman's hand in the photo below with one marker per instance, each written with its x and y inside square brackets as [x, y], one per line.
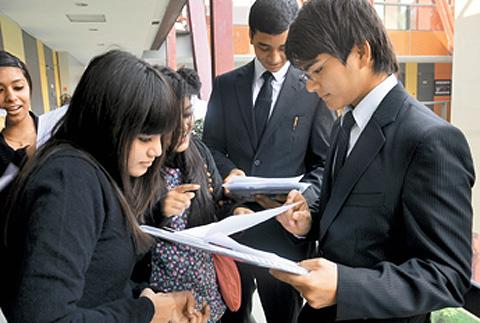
[179, 199]
[175, 307]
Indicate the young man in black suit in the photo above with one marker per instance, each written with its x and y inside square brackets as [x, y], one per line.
[393, 224]
[262, 122]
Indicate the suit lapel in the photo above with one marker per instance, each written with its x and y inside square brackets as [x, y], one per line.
[366, 149]
[244, 97]
[285, 101]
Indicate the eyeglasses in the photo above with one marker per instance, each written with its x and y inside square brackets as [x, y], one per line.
[305, 76]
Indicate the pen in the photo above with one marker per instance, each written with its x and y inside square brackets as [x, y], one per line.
[295, 123]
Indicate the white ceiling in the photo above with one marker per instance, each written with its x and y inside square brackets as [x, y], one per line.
[128, 24]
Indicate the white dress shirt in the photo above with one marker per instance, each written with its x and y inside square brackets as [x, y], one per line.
[364, 110]
[278, 78]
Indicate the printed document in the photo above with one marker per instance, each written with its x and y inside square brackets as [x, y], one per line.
[214, 238]
[246, 187]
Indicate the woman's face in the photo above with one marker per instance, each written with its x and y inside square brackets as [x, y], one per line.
[144, 150]
[187, 124]
[14, 94]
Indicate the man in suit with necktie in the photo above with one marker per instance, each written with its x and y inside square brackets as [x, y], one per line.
[394, 221]
[261, 121]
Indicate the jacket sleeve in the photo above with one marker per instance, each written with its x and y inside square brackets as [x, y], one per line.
[65, 220]
[317, 151]
[214, 134]
[436, 214]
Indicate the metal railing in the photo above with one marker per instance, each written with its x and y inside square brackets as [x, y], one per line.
[408, 16]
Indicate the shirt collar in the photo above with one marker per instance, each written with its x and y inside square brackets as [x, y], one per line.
[364, 110]
[278, 76]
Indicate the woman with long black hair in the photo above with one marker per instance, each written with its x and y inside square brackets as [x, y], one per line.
[72, 235]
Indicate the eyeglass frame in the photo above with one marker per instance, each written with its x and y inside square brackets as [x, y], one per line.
[305, 76]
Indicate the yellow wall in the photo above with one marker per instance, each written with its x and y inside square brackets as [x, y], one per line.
[411, 76]
[56, 73]
[12, 42]
[43, 75]
[12, 37]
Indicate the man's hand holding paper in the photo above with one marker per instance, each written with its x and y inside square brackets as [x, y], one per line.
[296, 220]
[319, 286]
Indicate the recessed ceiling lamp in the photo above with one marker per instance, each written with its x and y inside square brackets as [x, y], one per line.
[92, 29]
[81, 4]
[86, 18]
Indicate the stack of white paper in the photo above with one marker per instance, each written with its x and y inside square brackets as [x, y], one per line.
[246, 187]
[214, 238]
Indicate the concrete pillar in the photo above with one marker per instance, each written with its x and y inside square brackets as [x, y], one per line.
[466, 85]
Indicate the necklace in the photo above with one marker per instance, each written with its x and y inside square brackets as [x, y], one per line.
[25, 141]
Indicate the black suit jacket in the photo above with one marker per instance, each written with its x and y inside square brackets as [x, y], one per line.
[398, 219]
[286, 149]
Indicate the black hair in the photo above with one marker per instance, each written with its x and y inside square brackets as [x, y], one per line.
[9, 60]
[192, 79]
[335, 27]
[117, 98]
[190, 162]
[272, 16]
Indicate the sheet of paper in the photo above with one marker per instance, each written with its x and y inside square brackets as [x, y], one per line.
[8, 176]
[46, 122]
[234, 224]
[235, 250]
[244, 187]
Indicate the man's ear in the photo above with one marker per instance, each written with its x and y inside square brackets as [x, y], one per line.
[251, 34]
[364, 52]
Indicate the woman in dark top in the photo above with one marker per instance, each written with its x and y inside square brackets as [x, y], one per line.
[192, 192]
[19, 135]
[72, 234]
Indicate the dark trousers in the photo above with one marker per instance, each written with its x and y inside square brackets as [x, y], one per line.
[280, 302]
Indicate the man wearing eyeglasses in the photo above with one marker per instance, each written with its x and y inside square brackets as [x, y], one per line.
[261, 121]
[394, 220]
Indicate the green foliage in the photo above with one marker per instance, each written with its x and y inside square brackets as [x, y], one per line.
[453, 315]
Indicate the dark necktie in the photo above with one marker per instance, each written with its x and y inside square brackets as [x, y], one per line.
[263, 104]
[342, 142]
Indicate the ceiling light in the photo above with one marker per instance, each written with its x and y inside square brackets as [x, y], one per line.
[155, 22]
[81, 4]
[92, 29]
[86, 18]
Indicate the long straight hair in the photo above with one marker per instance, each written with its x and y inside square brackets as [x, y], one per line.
[117, 98]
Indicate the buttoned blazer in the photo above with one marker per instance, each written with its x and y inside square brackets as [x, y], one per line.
[398, 217]
[295, 140]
